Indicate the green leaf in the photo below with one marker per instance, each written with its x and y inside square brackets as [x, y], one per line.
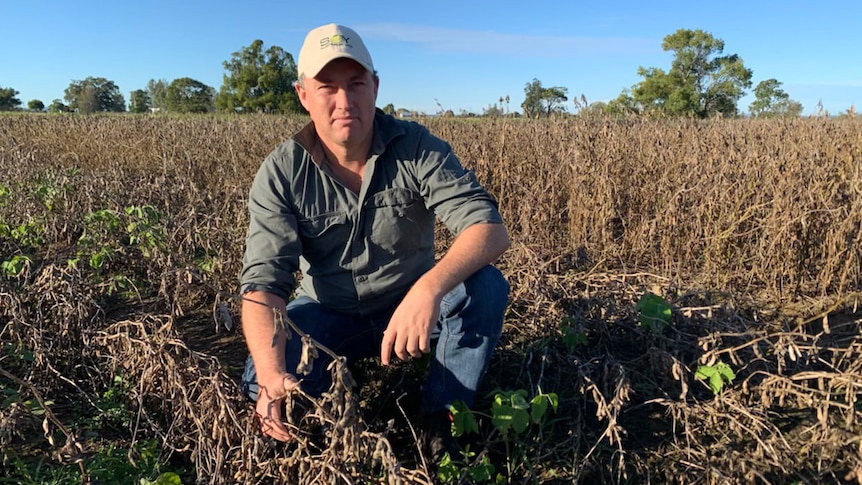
[705, 372]
[715, 375]
[725, 371]
[506, 417]
[574, 339]
[553, 399]
[13, 267]
[539, 405]
[501, 417]
[482, 472]
[169, 478]
[520, 421]
[655, 312]
[463, 420]
[97, 260]
[35, 408]
[11, 397]
[519, 400]
[447, 471]
[716, 383]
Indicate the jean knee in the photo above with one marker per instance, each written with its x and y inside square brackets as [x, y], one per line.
[488, 294]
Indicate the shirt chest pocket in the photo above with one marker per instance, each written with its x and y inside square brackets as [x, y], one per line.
[323, 235]
[398, 221]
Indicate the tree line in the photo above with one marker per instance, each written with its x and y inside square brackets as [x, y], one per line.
[701, 82]
[255, 80]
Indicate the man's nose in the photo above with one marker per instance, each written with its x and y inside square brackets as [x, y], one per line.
[342, 98]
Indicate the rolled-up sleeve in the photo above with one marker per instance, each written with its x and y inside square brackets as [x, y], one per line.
[272, 244]
[452, 191]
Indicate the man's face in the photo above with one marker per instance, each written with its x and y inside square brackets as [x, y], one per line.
[341, 101]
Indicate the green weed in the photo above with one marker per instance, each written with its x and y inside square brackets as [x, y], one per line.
[511, 415]
[715, 375]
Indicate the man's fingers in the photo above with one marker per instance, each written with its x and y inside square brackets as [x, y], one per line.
[404, 346]
[280, 432]
[414, 347]
[272, 426]
[275, 428]
[394, 341]
[268, 413]
[401, 347]
[386, 346]
[424, 345]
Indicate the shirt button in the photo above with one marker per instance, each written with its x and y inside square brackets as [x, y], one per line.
[361, 278]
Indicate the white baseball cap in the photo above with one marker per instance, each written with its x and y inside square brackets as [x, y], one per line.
[327, 43]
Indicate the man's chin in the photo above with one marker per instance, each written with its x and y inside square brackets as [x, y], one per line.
[346, 137]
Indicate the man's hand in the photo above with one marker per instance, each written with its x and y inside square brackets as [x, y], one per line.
[270, 397]
[409, 330]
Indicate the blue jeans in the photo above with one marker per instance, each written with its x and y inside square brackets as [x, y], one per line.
[471, 320]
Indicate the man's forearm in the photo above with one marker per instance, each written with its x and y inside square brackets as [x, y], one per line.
[258, 327]
[476, 247]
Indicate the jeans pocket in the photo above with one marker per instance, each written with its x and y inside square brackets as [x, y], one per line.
[453, 300]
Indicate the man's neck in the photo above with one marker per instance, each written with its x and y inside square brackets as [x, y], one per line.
[347, 165]
[347, 157]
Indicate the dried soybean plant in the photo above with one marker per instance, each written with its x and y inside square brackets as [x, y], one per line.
[749, 229]
[332, 442]
[86, 326]
[634, 408]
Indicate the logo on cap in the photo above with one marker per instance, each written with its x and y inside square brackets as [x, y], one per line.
[335, 40]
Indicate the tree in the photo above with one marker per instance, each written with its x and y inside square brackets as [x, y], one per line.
[542, 101]
[259, 80]
[57, 106]
[35, 105]
[389, 109]
[596, 109]
[493, 111]
[187, 95]
[94, 94]
[157, 91]
[771, 101]
[139, 101]
[624, 104]
[700, 82]
[8, 101]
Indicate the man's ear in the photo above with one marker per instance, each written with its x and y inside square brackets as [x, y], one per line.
[301, 93]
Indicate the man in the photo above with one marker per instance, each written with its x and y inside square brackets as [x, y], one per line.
[351, 201]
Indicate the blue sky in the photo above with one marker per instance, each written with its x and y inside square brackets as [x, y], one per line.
[458, 55]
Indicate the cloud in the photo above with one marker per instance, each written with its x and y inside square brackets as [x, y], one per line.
[504, 44]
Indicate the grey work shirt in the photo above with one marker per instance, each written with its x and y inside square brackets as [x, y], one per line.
[358, 253]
